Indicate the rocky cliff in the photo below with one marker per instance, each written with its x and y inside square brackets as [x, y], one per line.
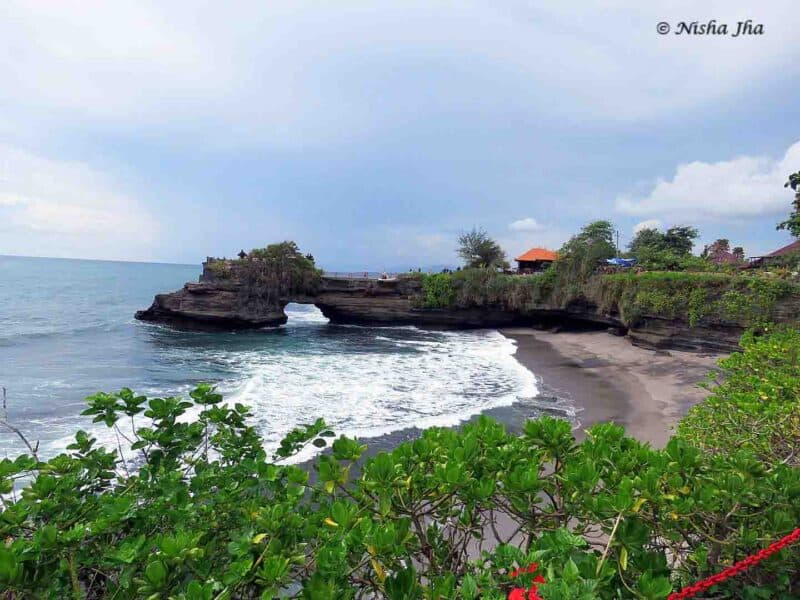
[225, 302]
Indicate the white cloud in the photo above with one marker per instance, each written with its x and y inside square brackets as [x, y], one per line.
[68, 208]
[526, 224]
[648, 224]
[723, 191]
[299, 73]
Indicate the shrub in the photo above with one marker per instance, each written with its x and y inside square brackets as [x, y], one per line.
[438, 290]
[755, 401]
[695, 298]
[277, 271]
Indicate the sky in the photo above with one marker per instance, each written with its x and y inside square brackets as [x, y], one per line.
[373, 133]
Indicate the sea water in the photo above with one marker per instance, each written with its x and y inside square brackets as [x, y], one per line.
[67, 330]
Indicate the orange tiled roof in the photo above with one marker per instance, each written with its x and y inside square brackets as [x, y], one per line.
[538, 254]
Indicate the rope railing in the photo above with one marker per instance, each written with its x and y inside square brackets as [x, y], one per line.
[732, 571]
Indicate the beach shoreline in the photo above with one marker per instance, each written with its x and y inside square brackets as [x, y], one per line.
[591, 377]
[608, 379]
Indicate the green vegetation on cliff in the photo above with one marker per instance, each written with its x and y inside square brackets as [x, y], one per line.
[677, 286]
[690, 297]
[271, 273]
[695, 298]
[197, 511]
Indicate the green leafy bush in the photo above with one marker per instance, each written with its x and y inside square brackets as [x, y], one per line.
[755, 401]
[197, 510]
[693, 297]
[438, 290]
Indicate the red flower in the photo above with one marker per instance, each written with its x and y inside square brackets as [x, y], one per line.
[519, 593]
[530, 569]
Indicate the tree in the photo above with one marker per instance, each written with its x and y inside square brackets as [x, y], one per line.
[480, 251]
[720, 246]
[670, 250]
[792, 224]
[738, 252]
[597, 233]
[583, 251]
[680, 240]
[279, 268]
[647, 238]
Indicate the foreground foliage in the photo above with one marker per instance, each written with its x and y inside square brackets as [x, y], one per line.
[755, 401]
[197, 510]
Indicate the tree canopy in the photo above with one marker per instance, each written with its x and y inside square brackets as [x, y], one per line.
[579, 256]
[678, 240]
[280, 269]
[480, 251]
[656, 250]
[645, 239]
[792, 224]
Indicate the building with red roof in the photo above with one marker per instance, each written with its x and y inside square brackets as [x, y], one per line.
[793, 248]
[535, 260]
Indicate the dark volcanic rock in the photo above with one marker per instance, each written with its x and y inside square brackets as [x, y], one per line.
[211, 305]
[659, 333]
[222, 302]
[391, 302]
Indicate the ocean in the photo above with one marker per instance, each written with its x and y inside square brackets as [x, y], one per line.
[67, 330]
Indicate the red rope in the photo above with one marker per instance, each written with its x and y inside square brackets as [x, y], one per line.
[734, 570]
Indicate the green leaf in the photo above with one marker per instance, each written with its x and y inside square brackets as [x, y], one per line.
[469, 588]
[156, 573]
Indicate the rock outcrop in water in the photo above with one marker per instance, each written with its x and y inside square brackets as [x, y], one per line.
[212, 305]
[225, 299]
[216, 302]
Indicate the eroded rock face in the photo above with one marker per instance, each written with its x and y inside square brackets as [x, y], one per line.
[212, 305]
[660, 334]
[223, 303]
[391, 302]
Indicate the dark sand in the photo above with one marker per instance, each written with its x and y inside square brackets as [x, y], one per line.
[608, 379]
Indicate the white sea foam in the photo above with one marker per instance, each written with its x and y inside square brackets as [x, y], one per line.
[365, 382]
[440, 381]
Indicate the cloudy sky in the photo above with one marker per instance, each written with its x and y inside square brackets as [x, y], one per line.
[372, 133]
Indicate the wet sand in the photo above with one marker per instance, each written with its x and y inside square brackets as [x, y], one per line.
[608, 379]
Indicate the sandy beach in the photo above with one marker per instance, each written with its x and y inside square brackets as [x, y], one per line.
[609, 379]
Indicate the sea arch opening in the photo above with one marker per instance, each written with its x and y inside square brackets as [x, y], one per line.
[303, 314]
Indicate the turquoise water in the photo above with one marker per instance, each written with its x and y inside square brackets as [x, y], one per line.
[67, 330]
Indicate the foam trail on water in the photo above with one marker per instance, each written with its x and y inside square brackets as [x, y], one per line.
[364, 381]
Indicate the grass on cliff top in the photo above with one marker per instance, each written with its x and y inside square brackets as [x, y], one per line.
[694, 297]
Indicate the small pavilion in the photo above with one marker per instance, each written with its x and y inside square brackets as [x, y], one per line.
[535, 260]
